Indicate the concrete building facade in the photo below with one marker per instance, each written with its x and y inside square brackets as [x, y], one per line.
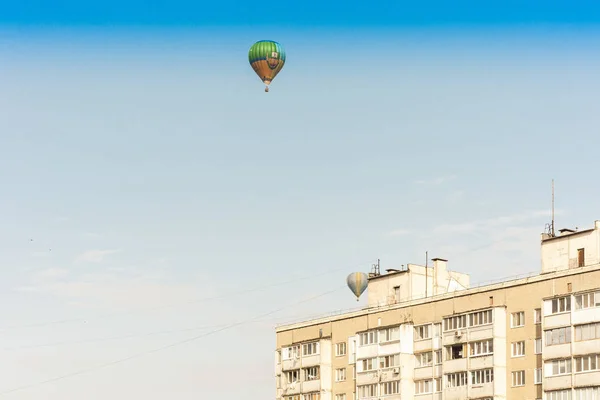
[434, 339]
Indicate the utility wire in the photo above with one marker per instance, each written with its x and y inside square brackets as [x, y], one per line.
[123, 337]
[164, 306]
[155, 350]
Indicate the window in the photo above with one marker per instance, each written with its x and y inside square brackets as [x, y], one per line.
[291, 352]
[537, 376]
[557, 367]
[437, 383]
[424, 386]
[587, 332]
[366, 391]
[424, 359]
[559, 395]
[455, 352]
[482, 376]
[480, 318]
[454, 323]
[558, 336]
[296, 397]
[438, 356]
[537, 345]
[437, 328]
[340, 349]
[388, 388]
[310, 349]
[397, 293]
[311, 374]
[456, 379]
[368, 364]
[367, 338]
[341, 396]
[389, 334]
[587, 300]
[481, 348]
[518, 349]
[422, 332]
[518, 378]
[590, 362]
[537, 316]
[561, 304]
[293, 376]
[587, 393]
[312, 396]
[389, 361]
[517, 319]
[580, 257]
[340, 374]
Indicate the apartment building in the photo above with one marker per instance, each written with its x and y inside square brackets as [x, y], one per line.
[426, 334]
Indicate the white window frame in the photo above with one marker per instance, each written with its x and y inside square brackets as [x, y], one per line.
[517, 319]
[340, 374]
[424, 386]
[518, 378]
[482, 376]
[341, 349]
[422, 332]
[517, 349]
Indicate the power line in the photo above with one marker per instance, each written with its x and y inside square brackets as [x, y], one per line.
[155, 350]
[123, 337]
[165, 306]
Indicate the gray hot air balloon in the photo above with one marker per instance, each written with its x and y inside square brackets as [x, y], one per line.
[357, 282]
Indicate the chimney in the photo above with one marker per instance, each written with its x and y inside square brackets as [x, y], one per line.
[439, 274]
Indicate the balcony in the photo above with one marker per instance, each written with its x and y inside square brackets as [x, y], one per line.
[586, 316]
[422, 345]
[481, 333]
[556, 351]
[311, 361]
[311, 386]
[455, 337]
[367, 351]
[480, 362]
[586, 347]
[423, 372]
[557, 320]
[455, 393]
[586, 378]
[291, 389]
[457, 365]
[483, 390]
[367, 378]
[557, 382]
[293, 363]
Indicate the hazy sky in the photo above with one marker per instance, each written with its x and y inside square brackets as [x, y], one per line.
[140, 153]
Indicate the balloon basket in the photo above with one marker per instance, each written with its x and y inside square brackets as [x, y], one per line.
[266, 89]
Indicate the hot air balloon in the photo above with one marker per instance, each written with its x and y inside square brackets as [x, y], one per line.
[267, 59]
[357, 282]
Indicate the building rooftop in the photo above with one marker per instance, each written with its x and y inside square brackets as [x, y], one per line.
[515, 281]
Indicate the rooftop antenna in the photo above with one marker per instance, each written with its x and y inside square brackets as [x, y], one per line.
[426, 270]
[375, 269]
[552, 226]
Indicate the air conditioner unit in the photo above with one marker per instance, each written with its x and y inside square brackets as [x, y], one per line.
[396, 370]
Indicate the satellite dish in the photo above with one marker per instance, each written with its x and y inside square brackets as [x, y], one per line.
[357, 282]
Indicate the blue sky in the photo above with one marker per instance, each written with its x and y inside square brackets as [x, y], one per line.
[142, 156]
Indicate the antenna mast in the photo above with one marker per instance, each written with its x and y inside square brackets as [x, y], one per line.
[552, 226]
[426, 271]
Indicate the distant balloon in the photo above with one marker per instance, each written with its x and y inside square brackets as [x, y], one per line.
[357, 282]
[267, 59]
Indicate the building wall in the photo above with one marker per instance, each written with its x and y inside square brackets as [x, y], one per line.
[560, 253]
[505, 299]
